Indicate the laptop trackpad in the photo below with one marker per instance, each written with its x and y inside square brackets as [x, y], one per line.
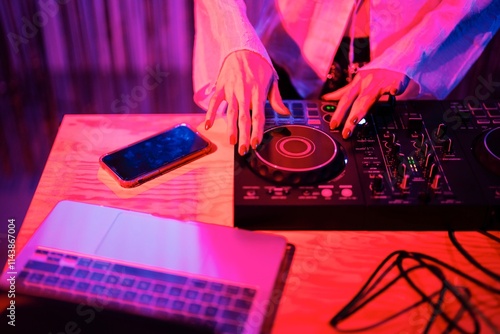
[149, 240]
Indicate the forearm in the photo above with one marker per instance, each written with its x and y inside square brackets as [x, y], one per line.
[444, 42]
[221, 27]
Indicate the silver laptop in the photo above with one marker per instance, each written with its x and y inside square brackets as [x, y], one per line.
[213, 278]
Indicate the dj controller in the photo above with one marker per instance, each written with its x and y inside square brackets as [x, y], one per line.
[409, 165]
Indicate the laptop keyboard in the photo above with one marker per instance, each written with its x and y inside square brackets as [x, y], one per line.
[218, 306]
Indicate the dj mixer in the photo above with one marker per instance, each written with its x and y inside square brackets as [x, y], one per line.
[409, 165]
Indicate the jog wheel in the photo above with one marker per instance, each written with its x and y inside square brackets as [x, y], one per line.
[486, 148]
[297, 155]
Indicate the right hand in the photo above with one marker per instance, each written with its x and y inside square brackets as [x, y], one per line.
[245, 81]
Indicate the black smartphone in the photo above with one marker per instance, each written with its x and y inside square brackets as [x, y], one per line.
[155, 155]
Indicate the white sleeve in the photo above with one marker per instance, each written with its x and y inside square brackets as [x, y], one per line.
[221, 27]
[439, 49]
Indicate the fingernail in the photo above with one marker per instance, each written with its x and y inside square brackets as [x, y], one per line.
[208, 124]
[354, 120]
[232, 140]
[347, 134]
[243, 150]
[333, 125]
[255, 143]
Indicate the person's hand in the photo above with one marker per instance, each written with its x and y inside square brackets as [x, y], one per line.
[356, 98]
[245, 81]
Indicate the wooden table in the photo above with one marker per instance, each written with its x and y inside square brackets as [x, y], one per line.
[329, 267]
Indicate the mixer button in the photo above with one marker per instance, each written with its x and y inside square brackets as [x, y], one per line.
[474, 106]
[313, 112]
[346, 192]
[329, 107]
[490, 105]
[251, 192]
[494, 112]
[329, 192]
[479, 113]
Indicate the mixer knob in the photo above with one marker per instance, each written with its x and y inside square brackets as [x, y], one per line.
[391, 140]
[396, 149]
[448, 146]
[440, 133]
[432, 171]
[424, 151]
[429, 159]
[401, 169]
[378, 183]
[420, 140]
[441, 130]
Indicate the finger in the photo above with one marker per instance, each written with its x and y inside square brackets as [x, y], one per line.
[397, 87]
[276, 101]
[344, 105]
[244, 125]
[359, 110]
[336, 95]
[232, 120]
[213, 106]
[258, 119]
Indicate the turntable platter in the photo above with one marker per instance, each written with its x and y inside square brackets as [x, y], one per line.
[297, 154]
[487, 150]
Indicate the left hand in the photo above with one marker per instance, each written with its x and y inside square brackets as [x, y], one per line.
[356, 98]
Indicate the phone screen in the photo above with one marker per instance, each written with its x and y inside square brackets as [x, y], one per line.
[156, 154]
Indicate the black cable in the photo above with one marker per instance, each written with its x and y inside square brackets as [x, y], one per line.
[470, 258]
[462, 294]
[489, 235]
[447, 286]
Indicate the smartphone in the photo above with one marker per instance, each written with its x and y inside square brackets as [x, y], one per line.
[155, 155]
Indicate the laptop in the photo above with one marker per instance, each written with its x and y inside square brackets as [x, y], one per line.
[204, 277]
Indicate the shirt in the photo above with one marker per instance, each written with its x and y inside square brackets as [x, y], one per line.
[433, 42]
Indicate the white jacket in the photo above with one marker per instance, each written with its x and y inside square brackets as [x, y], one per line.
[433, 42]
